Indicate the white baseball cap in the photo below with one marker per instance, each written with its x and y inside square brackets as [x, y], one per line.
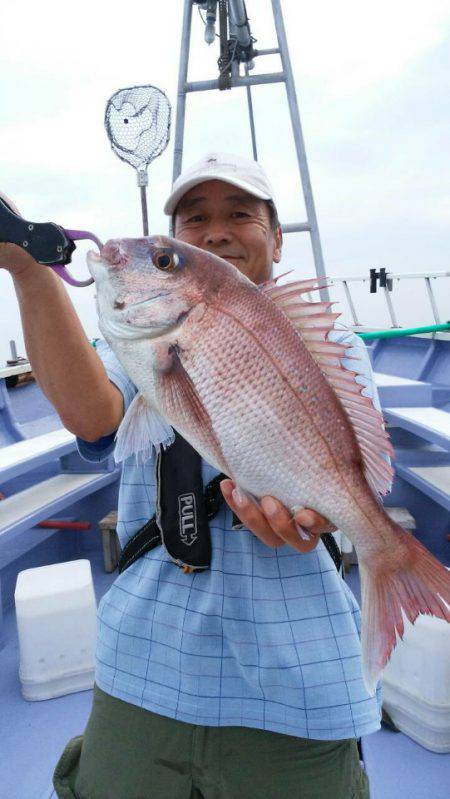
[234, 169]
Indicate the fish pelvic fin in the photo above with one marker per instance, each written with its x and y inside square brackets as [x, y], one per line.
[141, 431]
[419, 584]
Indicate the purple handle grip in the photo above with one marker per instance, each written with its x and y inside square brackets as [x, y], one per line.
[76, 235]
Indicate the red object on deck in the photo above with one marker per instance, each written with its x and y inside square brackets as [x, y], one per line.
[62, 525]
[54, 524]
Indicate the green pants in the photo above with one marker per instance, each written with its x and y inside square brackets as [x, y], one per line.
[127, 752]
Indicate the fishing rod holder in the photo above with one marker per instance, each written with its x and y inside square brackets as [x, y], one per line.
[381, 276]
[236, 40]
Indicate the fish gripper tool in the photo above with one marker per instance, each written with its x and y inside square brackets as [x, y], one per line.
[49, 244]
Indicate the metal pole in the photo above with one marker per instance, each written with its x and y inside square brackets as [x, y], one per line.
[390, 306]
[299, 144]
[238, 18]
[432, 301]
[142, 180]
[144, 210]
[350, 302]
[251, 118]
[244, 80]
[181, 96]
[295, 227]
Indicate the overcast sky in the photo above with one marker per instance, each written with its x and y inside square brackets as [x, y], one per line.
[372, 84]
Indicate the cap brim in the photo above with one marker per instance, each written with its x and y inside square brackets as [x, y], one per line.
[175, 197]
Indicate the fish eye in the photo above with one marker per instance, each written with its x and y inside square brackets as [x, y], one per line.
[166, 260]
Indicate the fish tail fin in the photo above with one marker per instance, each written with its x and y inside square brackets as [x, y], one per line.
[417, 583]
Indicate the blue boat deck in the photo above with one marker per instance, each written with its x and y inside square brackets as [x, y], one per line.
[414, 380]
[34, 734]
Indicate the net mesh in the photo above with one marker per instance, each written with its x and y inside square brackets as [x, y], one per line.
[137, 122]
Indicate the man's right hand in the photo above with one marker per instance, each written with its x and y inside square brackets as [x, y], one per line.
[273, 523]
[15, 259]
[12, 257]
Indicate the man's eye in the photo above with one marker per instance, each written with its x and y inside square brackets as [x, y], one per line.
[196, 218]
[239, 214]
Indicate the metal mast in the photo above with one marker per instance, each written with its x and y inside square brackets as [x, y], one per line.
[236, 48]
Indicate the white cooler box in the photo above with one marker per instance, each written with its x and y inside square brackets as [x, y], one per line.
[416, 683]
[56, 618]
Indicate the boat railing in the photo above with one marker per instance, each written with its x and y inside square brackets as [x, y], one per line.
[403, 331]
[384, 280]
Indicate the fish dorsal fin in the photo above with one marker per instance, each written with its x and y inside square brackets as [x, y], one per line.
[314, 321]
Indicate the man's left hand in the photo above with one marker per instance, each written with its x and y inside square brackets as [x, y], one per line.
[272, 523]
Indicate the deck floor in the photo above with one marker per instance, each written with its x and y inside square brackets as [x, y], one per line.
[34, 734]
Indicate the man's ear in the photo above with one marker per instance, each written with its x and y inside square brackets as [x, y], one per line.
[278, 245]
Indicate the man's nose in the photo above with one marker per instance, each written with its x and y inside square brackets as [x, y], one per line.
[217, 233]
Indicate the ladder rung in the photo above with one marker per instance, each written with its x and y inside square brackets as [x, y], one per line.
[295, 227]
[244, 80]
[270, 51]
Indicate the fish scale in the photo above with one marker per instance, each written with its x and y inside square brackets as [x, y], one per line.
[255, 384]
[250, 378]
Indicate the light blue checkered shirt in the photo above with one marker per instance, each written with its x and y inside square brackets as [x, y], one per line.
[266, 638]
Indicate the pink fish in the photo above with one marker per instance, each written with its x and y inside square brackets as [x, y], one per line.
[248, 376]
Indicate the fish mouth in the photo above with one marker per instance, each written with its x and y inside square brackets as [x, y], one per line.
[94, 256]
[111, 254]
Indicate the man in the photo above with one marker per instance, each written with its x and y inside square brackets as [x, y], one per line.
[243, 680]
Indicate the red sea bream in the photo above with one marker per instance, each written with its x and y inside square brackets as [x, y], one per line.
[247, 375]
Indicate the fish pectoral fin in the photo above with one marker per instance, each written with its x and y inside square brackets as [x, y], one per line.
[142, 429]
[179, 396]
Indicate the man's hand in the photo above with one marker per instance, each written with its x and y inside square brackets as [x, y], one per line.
[15, 260]
[273, 523]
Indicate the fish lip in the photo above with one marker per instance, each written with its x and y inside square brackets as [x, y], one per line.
[94, 256]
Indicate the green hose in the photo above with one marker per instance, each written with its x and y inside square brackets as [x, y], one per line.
[403, 331]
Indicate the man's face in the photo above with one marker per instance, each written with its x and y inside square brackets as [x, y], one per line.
[229, 222]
